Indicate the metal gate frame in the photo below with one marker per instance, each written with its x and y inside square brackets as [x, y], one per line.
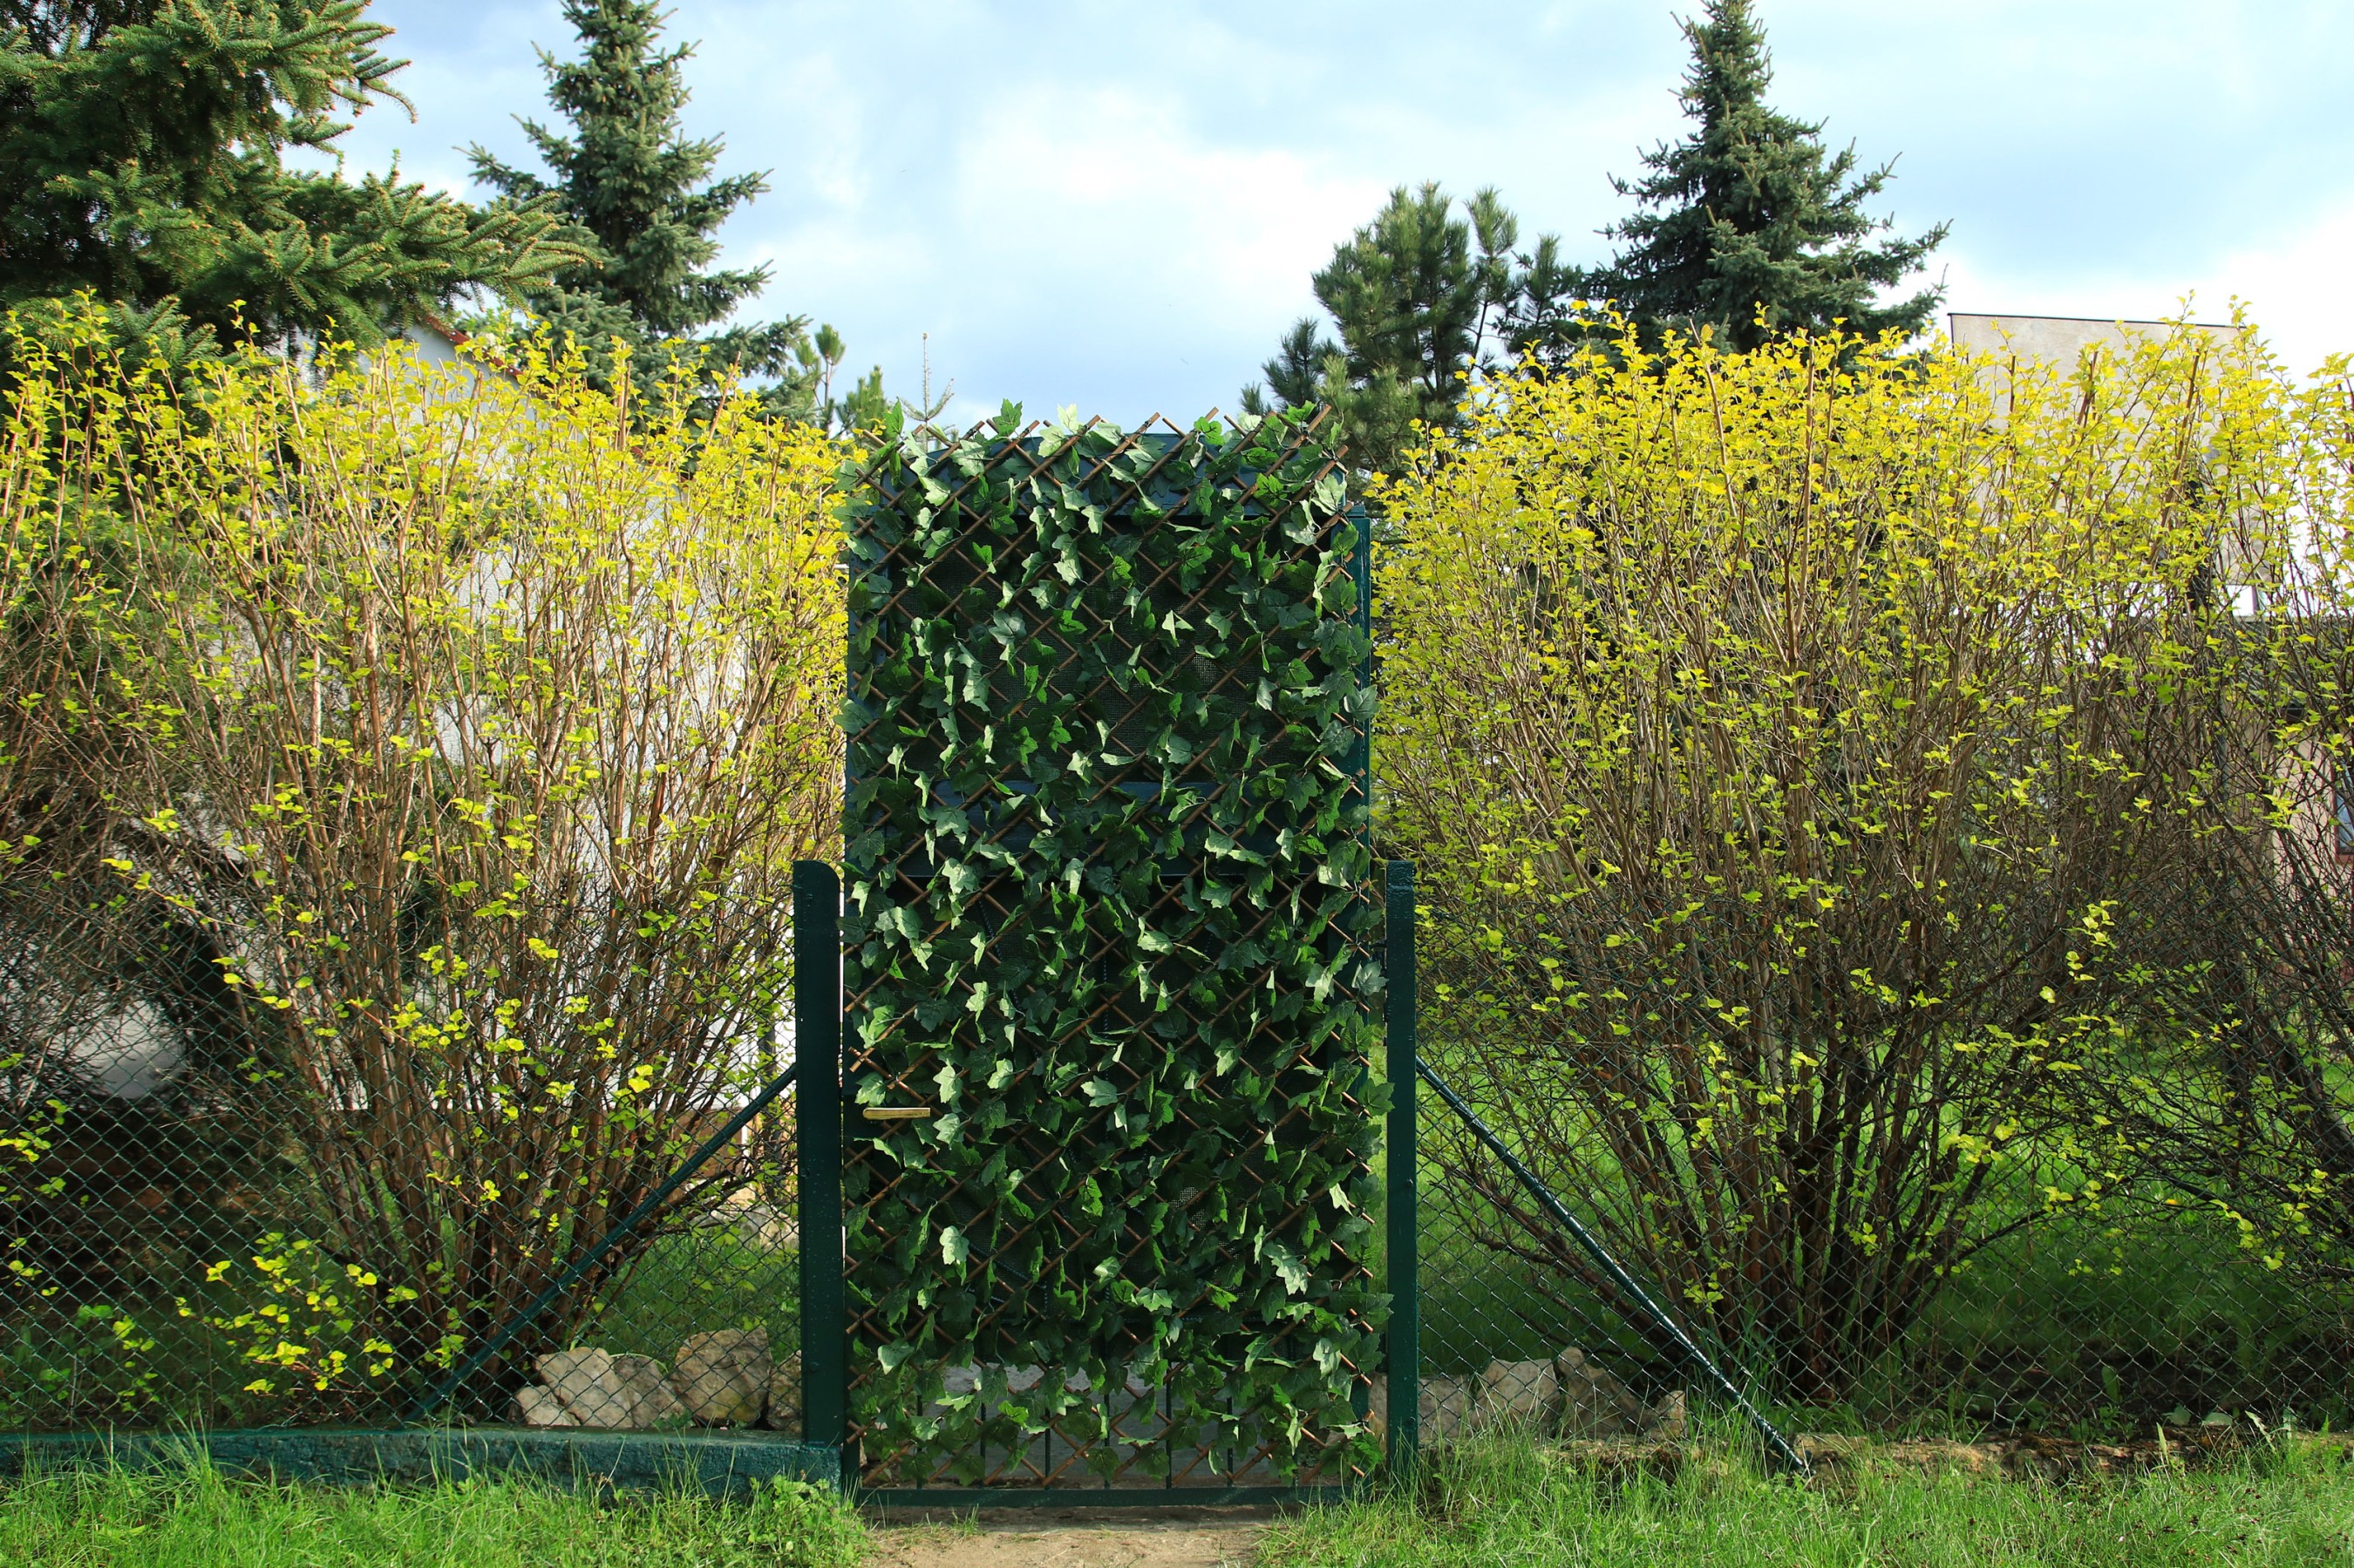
[824, 1115]
[825, 1129]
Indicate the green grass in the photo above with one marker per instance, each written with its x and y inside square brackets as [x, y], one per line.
[198, 1518]
[1499, 1503]
[688, 1283]
[1502, 1504]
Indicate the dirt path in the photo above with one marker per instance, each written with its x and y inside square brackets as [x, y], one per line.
[1076, 1537]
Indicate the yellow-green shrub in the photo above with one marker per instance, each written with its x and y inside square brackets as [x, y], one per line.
[1779, 734]
[484, 719]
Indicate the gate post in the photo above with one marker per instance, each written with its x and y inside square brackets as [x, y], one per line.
[1404, 1230]
[817, 1050]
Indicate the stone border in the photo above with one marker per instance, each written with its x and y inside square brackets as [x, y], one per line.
[720, 1465]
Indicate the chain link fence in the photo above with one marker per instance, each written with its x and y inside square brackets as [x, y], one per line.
[220, 1209]
[2093, 1318]
[174, 1257]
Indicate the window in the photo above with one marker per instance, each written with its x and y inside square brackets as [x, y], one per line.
[2341, 804]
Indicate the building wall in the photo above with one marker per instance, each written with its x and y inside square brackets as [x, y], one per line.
[2059, 340]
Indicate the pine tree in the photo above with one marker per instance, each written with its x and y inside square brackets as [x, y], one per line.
[1417, 310]
[860, 408]
[641, 201]
[142, 146]
[1749, 225]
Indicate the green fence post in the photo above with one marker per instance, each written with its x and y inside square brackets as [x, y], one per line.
[817, 1051]
[1405, 1231]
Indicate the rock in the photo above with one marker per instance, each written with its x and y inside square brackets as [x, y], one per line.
[723, 1377]
[584, 1381]
[1667, 1419]
[1618, 1458]
[1594, 1402]
[1931, 1455]
[1521, 1395]
[774, 1230]
[1838, 1450]
[1136, 1421]
[785, 1394]
[1029, 1457]
[538, 1406]
[1935, 1454]
[1444, 1408]
[651, 1400]
[622, 1393]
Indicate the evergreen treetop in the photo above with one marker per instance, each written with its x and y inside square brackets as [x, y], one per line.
[1749, 227]
[141, 160]
[641, 202]
[1417, 307]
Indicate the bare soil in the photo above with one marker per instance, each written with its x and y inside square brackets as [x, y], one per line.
[1074, 1538]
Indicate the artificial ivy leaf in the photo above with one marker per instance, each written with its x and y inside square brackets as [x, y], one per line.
[1287, 1266]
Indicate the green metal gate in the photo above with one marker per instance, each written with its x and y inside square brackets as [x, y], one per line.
[1097, 1101]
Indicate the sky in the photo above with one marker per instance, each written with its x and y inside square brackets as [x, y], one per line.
[1116, 206]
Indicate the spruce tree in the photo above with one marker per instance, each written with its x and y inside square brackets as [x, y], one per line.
[1417, 306]
[141, 147]
[1749, 227]
[641, 202]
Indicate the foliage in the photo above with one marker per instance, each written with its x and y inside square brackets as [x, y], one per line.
[484, 722]
[198, 1517]
[142, 160]
[1749, 227]
[301, 1316]
[63, 562]
[861, 408]
[1104, 910]
[1416, 311]
[640, 201]
[2233, 1089]
[1772, 807]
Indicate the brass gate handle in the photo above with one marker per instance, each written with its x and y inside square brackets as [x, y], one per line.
[894, 1113]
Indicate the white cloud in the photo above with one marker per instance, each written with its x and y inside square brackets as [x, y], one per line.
[2293, 287]
[1084, 179]
[2296, 288]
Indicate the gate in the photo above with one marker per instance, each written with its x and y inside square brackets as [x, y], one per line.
[1096, 1094]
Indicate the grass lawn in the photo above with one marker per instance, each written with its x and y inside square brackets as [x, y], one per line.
[1506, 1505]
[1494, 1504]
[198, 1519]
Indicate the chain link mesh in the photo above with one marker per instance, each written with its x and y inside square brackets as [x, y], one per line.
[218, 1214]
[2087, 1319]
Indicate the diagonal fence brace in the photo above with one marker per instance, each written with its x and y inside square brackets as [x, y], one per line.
[434, 1398]
[1592, 1246]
